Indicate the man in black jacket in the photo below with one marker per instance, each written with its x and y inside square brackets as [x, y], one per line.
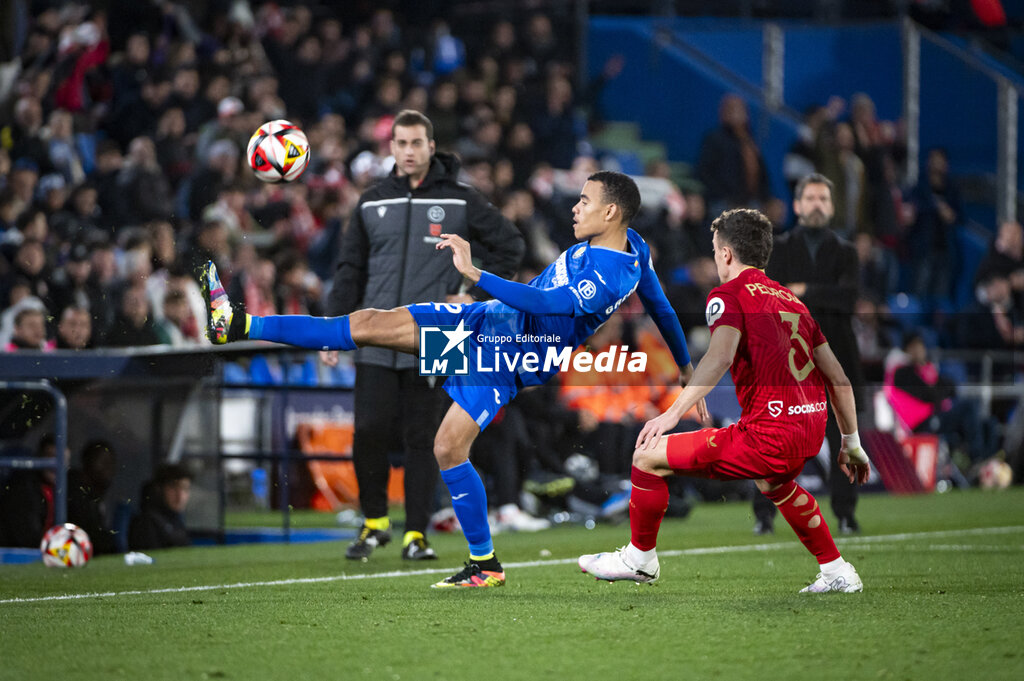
[87, 489]
[160, 524]
[821, 269]
[388, 259]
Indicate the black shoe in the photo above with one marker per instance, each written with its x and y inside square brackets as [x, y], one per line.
[849, 525]
[762, 527]
[366, 542]
[418, 549]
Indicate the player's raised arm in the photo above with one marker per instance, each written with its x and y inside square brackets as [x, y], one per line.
[853, 460]
[709, 371]
[557, 301]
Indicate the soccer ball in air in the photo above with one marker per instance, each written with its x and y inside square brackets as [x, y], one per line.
[278, 151]
[66, 545]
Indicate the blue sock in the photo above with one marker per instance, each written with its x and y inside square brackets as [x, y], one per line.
[315, 333]
[469, 500]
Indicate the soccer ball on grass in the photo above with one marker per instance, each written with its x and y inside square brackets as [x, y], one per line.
[995, 474]
[278, 151]
[66, 545]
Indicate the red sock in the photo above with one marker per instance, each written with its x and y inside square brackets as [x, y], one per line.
[647, 505]
[800, 509]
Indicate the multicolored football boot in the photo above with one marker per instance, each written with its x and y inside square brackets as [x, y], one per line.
[473, 575]
[227, 322]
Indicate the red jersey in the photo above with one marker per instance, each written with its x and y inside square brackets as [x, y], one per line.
[781, 392]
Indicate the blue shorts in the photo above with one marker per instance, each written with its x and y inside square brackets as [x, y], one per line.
[481, 394]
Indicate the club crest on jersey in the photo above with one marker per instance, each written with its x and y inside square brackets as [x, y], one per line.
[435, 213]
[587, 289]
[714, 310]
[381, 210]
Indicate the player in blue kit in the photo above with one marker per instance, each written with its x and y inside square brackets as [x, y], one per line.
[559, 309]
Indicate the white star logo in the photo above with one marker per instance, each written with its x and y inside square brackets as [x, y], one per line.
[456, 337]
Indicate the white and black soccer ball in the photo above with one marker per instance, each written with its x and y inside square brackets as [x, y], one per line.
[278, 152]
[66, 545]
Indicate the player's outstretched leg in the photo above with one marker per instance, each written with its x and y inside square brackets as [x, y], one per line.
[228, 322]
[469, 501]
[648, 501]
[800, 509]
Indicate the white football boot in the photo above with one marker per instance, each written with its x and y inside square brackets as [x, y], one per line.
[845, 581]
[615, 566]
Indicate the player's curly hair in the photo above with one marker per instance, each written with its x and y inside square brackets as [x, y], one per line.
[748, 232]
[621, 190]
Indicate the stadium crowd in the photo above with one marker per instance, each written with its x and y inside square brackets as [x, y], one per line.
[123, 138]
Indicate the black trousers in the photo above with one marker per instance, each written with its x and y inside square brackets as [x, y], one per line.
[844, 493]
[390, 402]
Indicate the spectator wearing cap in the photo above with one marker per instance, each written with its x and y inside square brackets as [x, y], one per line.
[160, 523]
[74, 330]
[71, 282]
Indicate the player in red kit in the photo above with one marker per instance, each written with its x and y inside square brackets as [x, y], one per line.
[782, 367]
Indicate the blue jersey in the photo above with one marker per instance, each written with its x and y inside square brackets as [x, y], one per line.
[599, 280]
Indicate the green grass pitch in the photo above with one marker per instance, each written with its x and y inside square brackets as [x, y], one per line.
[943, 599]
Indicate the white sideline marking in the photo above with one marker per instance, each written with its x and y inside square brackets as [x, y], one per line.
[852, 541]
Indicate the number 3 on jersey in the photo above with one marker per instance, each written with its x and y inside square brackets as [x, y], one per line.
[793, 319]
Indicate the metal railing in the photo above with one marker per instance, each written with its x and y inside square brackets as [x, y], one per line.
[59, 463]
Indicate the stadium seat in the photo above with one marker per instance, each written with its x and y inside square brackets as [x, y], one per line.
[907, 310]
[336, 480]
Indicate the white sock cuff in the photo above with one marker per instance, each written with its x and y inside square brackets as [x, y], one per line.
[833, 566]
[639, 557]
